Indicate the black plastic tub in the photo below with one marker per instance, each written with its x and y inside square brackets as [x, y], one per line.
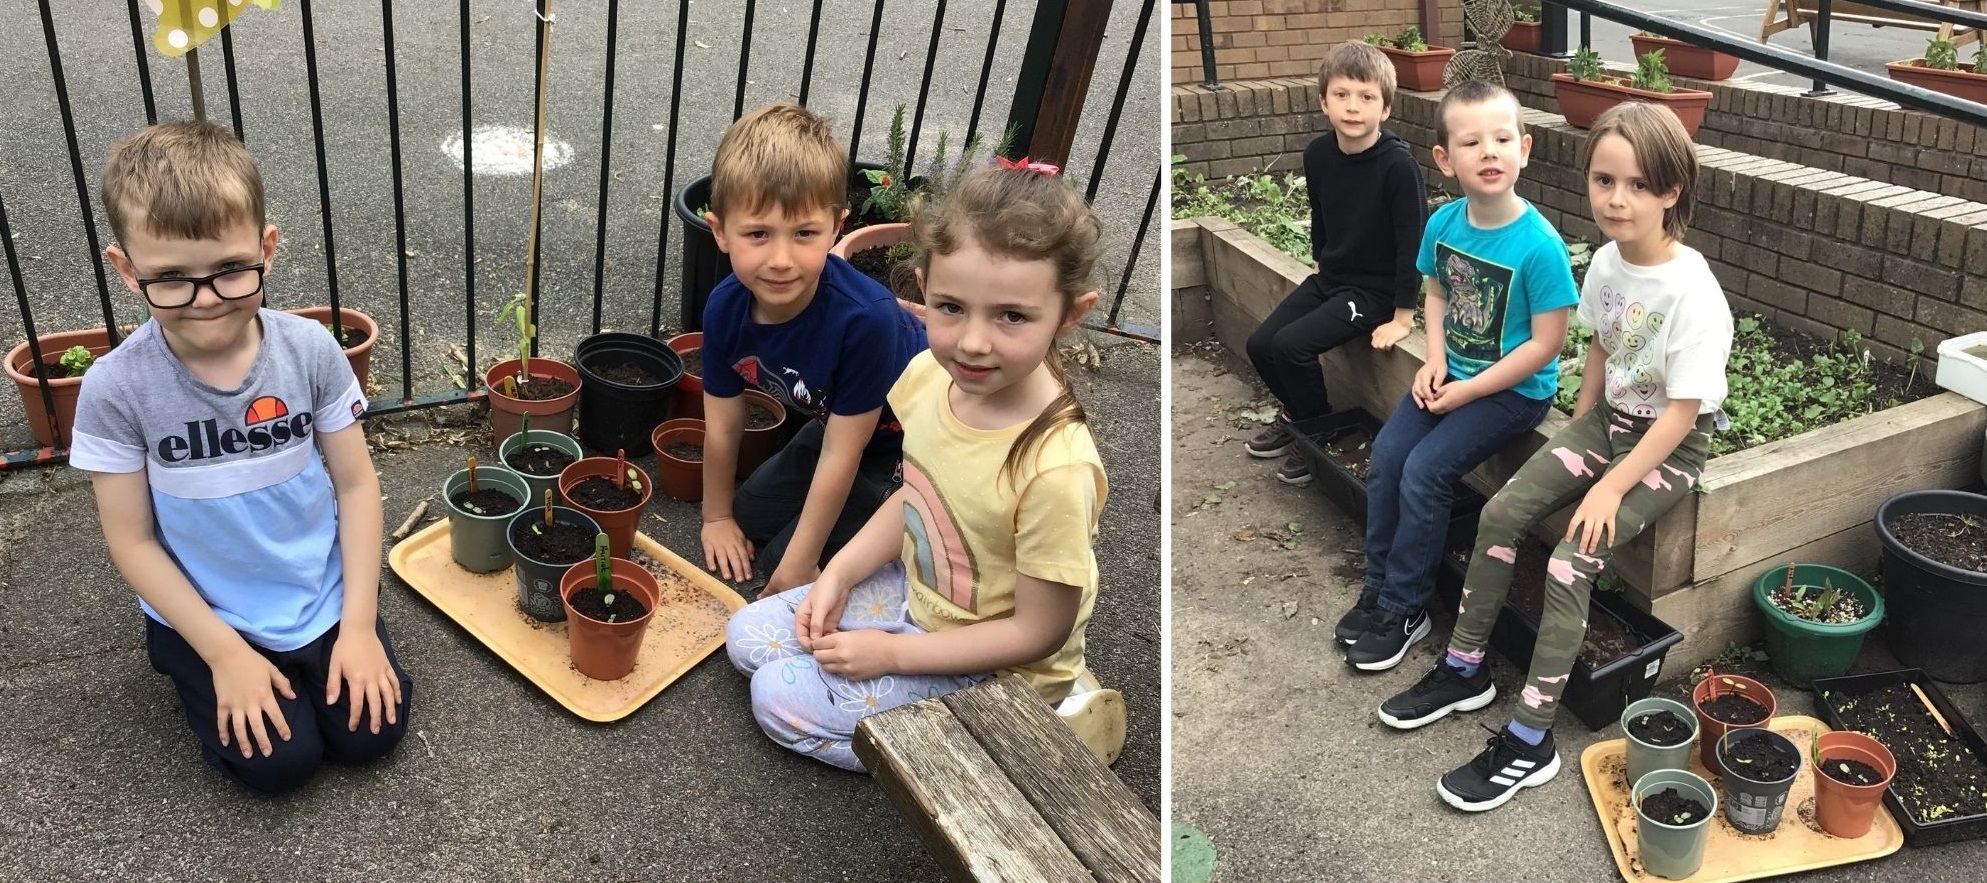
[619, 416]
[1829, 696]
[1935, 613]
[1348, 491]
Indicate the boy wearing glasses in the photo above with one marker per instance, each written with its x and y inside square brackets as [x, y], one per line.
[232, 478]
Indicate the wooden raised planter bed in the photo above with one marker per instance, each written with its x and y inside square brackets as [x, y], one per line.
[1808, 498]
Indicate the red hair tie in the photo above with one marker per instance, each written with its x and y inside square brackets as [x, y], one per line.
[1025, 165]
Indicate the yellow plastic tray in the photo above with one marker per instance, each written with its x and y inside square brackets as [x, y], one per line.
[1799, 844]
[689, 625]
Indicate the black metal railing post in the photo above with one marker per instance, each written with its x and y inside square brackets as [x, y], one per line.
[76, 170]
[1821, 45]
[399, 206]
[1118, 106]
[471, 378]
[323, 168]
[669, 177]
[138, 44]
[606, 166]
[1210, 77]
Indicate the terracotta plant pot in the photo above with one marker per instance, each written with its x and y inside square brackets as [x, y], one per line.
[62, 391]
[553, 414]
[607, 651]
[689, 387]
[359, 354]
[1522, 37]
[619, 524]
[679, 479]
[1843, 809]
[872, 236]
[1686, 60]
[756, 446]
[1582, 101]
[1419, 71]
[1962, 83]
[1711, 729]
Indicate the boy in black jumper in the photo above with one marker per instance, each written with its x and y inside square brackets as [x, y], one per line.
[1367, 209]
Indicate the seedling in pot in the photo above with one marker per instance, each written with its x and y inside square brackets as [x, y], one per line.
[517, 311]
[77, 360]
[472, 507]
[603, 572]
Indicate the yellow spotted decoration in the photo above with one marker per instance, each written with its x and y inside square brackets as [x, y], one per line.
[185, 24]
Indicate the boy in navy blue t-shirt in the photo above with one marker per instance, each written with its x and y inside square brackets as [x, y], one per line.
[809, 330]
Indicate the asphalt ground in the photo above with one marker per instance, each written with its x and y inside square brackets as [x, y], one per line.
[496, 781]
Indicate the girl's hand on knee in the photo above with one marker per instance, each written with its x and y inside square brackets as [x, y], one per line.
[1595, 516]
[859, 655]
[820, 611]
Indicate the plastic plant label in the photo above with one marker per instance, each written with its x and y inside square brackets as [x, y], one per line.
[603, 571]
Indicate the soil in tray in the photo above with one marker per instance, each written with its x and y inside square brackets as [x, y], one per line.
[488, 501]
[625, 373]
[561, 543]
[1938, 776]
[758, 416]
[685, 451]
[1672, 807]
[539, 460]
[1954, 540]
[599, 494]
[1851, 772]
[1663, 728]
[1735, 710]
[1606, 641]
[1759, 758]
[1353, 450]
[591, 603]
[540, 389]
[693, 363]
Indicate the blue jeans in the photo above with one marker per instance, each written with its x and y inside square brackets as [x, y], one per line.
[1417, 460]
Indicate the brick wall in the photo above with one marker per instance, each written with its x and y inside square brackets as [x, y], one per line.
[1258, 39]
[1812, 249]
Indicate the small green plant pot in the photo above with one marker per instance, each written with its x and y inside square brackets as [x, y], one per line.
[1644, 757]
[538, 581]
[1801, 650]
[477, 541]
[1670, 851]
[539, 484]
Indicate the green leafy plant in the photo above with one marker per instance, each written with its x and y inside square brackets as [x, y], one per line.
[343, 337]
[1941, 55]
[1652, 74]
[942, 170]
[1527, 14]
[1277, 209]
[1411, 40]
[1811, 603]
[1777, 395]
[517, 312]
[76, 360]
[1585, 64]
[892, 194]
[1378, 40]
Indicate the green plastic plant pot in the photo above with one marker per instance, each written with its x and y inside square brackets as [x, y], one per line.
[539, 484]
[1670, 851]
[1644, 757]
[1802, 651]
[477, 542]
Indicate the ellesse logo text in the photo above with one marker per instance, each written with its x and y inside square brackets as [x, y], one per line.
[268, 424]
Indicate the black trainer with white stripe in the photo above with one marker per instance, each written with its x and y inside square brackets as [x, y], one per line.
[1494, 776]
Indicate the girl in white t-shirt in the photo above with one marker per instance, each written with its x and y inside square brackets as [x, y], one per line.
[1641, 431]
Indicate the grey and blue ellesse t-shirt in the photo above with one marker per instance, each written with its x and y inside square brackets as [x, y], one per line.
[240, 497]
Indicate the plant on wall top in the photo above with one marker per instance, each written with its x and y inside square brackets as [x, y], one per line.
[1651, 74]
[1378, 40]
[1942, 55]
[1585, 64]
[1410, 39]
[1525, 13]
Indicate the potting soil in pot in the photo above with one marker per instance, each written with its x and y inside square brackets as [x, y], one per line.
[598, 493]
[591, 603]
[875, 263]
[1938, 776]
[52, 370]
[624, 373]
[1851, 772]
[758, 416]
[560, 543]
[1662, 728]
[488, 501]
[1953, 540]
[1760, 758]
[539, 460]
[353, 335]
[693, 363]
[685, 451]
[1673, 807]
[1736, 710]
[539, 389]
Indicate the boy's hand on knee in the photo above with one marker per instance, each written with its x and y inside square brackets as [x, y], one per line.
[245, 688]
[358, 658]
[858, 655]
[727, 552]
[1595, 515]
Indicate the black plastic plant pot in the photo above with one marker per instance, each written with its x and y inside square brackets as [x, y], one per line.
[1832, 695]
[704, 266]
[1936, 612]
[617, 416]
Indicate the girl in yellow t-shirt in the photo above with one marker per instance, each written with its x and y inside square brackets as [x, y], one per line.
[981, 563]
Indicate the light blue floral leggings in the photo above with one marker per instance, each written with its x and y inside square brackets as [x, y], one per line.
[810, 710]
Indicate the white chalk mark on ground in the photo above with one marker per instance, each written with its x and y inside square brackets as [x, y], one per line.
[505, 150]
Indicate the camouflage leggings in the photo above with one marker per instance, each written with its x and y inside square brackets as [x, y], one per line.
[1557, 476]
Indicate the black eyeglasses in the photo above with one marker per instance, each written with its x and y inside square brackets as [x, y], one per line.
[173, 292]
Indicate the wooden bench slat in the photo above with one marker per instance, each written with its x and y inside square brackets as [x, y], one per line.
[958, 800]
[1099, 818]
